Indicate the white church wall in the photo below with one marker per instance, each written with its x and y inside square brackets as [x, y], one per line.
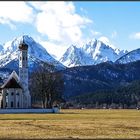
[0, 100]
[10, 111]
[9, 95]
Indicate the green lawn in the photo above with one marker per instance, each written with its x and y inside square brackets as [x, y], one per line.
[72, 124]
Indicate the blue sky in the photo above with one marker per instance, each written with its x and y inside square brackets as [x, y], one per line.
[120, 18]
[57, 25]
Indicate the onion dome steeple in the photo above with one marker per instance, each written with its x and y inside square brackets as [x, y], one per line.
[23, 45]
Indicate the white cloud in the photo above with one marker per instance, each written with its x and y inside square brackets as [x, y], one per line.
[95, 33]
[15, 12]
[59, 21]
[106, 41]
[135, 36]
[2, 21]
[55, 50]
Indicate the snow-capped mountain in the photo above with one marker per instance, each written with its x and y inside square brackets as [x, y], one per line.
[74, 57]
[36, 53]
[94, 52]
[129, 57]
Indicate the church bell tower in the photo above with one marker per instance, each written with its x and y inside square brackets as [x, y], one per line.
[23, 72]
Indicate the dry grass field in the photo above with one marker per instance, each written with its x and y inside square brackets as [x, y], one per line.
[88, 124]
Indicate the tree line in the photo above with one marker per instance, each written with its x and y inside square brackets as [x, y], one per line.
[122, 97]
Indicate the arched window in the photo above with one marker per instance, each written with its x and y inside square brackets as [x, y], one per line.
[12, 93]
[17, 104]
[12, 104]
[6, 97]
[6, 104]
[23, 57]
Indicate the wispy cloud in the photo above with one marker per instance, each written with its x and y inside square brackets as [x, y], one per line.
[95, 33]
[114, 34]
[7, 22]
[135, 36]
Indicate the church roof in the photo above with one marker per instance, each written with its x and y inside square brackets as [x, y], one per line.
[12, 82]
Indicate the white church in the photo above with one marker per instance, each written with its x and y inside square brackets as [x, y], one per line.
[15, 92]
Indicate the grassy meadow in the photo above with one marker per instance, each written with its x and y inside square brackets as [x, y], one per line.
[69, 123]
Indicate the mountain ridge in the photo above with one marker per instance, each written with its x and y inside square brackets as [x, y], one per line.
[131, 56]
[36, 53]
[92, 53]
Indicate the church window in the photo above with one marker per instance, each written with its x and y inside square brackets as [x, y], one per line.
[17, 94]
[17, 104]
[12, 104]
[12, 93]
[23, 57]
[20, 57]
[6, 97]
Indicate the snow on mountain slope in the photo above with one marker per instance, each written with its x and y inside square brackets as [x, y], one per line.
[36, 52]
[101, 52]
[94, 52]
[74, 57]
[129, 57]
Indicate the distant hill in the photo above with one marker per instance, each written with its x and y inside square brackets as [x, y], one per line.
[86, 79]
[121, 97]
[132, 56]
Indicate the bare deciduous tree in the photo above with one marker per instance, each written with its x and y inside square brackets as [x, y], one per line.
[47, 87]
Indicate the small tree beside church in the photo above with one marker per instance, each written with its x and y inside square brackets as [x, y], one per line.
[47, 87]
